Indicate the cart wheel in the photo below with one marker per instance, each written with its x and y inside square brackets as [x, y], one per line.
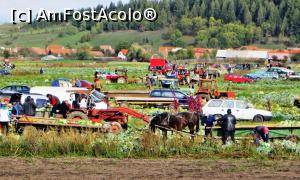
[116, 128]
[77, 115]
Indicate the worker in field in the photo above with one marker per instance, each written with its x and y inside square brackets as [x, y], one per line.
[97, 83]
[228, 122]
[29, 106]
[209, 123]
[261, 133]
[5, 116]
[54, 102]
[17, 109]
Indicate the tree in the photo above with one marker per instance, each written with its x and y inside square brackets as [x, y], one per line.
[247, 19]
[83, 53]
[175, 38]
[228, 11]
[296, 58]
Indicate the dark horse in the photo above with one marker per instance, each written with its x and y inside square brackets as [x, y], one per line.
[178, 122]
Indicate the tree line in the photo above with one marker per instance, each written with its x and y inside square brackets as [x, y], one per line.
[214, 23]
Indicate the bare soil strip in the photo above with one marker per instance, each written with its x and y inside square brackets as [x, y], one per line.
[92, 168]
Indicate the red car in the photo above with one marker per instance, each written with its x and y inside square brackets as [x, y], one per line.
[86, 84]
[237, 79]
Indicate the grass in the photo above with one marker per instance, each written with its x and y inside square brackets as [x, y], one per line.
[132, 144]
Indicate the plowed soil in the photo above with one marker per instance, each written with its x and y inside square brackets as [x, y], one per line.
[85, 168]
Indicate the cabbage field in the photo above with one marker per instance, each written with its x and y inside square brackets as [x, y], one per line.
[136, 142]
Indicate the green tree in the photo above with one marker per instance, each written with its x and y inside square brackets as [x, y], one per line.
[247, 19]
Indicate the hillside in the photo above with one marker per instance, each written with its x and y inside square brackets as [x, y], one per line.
[42, 37]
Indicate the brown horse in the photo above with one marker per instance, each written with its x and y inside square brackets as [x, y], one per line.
[178, 122]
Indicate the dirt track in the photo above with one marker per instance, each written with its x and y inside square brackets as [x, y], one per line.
[77, 168]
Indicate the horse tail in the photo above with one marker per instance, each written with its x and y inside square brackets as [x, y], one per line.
[197, 123]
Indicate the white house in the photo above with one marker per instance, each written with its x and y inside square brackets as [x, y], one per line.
[241, 54]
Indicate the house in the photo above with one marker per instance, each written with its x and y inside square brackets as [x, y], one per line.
[59, 50]
[199, 52]
[241, 54]
[51, 58]
[279, 55]
[96, 54]
[107, 49]
[294, 51]
[122, 54]
[164, 50]
[37, 51]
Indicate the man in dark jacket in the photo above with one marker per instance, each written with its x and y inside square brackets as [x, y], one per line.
[29, 107]
[55, 103]
[228, 123]
[209, 123]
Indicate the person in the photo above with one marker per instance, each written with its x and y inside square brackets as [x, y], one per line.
[83, 101]
[75, 103]
[77, 83]
[261, 133]
[97, 84]
[209, 123]
[17, 109]
[148, 82]
[54, 102]
[5, 116]
[64, 108]
[41, 71]
[228, 122]
[29, 106]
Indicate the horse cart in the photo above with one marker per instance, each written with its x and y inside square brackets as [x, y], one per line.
[103, 120]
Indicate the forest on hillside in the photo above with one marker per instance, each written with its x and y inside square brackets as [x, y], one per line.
[213, 23]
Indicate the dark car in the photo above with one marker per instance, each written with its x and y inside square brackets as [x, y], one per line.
[169, 93]
[17, 88]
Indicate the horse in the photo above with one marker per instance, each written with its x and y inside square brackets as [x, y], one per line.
[178, 122]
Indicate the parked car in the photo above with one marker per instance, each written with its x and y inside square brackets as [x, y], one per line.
[238, 79]
[283, 72]
[263, 75]
[295, 77]
[61, 82]
[17, 88]
[240, 109]
[4, 72]
[40, 100]
[106, 75]
[170, 93]
[86, 84]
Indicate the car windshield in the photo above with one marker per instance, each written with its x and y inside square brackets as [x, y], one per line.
[97, 96]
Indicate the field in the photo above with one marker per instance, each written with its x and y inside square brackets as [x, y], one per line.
[280, 92]
[86, 168]
[143, 154]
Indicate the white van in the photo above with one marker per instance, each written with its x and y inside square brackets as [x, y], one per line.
[67, 94]
[240, 109]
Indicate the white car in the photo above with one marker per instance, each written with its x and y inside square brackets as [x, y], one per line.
[240, 109]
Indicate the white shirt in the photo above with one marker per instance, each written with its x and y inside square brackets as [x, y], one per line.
[4, 115]
[83, 103]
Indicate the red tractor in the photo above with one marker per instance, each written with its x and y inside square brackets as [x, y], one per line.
[208, 89]
[115, 118]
